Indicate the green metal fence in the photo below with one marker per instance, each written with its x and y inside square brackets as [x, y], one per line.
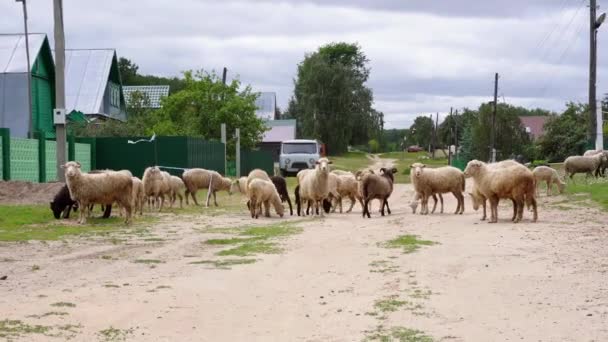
[51, 160]
[82, 153]
[24, 159]
[256, 160]
[1, 162]
[172, 152]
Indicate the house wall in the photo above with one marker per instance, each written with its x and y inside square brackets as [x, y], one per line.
[13, 104]
[112, 102]
[43, 95]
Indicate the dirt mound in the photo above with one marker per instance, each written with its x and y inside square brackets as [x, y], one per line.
[18, 192]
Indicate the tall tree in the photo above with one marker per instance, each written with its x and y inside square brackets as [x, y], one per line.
[421, 132]
[129, 73]
[565, 134]
[331, 101]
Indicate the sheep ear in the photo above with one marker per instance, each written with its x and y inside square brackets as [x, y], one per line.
[77, 163]
[330, 162]
[317, 162]
[394, 170]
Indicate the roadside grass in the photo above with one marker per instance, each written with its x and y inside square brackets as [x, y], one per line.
[403, 161]
[113, 334]
[11, 330]
[36, 222]
[400, 334]
[64, 305]
[350, 161]
[256, 239]
[226, 204]
[224, 264]
[408, 243]
[595, 189]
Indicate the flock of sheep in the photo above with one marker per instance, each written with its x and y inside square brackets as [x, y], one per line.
[320, 189]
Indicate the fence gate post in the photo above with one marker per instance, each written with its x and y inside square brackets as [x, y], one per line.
[5, 135]
[41, 136]
[71, 148]
[223, 131]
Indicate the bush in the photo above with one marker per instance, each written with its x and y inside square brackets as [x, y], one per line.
[536, 163]
[406, 171]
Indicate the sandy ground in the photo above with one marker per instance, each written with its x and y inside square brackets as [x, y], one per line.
[544, 281]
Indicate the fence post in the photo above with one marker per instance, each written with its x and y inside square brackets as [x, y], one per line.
[41, 136]
[5, 135]
[71, 148]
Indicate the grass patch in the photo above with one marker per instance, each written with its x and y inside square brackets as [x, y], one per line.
[230, 241]
[47, 314]
[256, 240]
[252, 248]
[113, 334]
[36, 222]
[390, 304]
[35, 268]
[400, 334]
[15, 329]
[350, 161]
[596, 189]
[148, 261]
[409, 243]
[64, 305]
[224, 264]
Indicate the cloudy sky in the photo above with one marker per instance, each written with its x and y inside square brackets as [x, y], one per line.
[426, 56]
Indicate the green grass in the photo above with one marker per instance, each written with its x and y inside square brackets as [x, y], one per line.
[113, 334]
[390, 304]
[148, 261]
[224, 264]
[597, 189]
[64, 305]
[252, 248]
[36, 222]
[409, 243]
[10, 329]
[229, 241]
[47, 314]
[350, 161]
[400, 334]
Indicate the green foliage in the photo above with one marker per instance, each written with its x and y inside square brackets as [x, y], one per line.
[421, 132]
[565, 134]
[197, 110]
[331, 101]
[537, 162]
[596, 189]
[374, 146]
[129, 74]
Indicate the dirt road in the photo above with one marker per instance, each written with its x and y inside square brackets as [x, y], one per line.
[335, 280]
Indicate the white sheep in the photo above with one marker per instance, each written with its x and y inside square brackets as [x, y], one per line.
[177, 188]
[417, 198]
[333, 183]
[196, 179]
[154, 186]
[348, 187]
[514, 182]
[429, 181]
[263, 192]
[138, 194]
[103, 188]
[604, 165]
[314, 186]
[549, 176]
[257, 174]
[582, 164]
[239, 185]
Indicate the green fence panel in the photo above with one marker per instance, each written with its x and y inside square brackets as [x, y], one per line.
[118, 154]
[459, 163]
[256, 160]
[5, 157]
[172, 153]
[1, 161]
[231, 168]
[82, 154]
[206, 154]
[51, 161]
[24, 159]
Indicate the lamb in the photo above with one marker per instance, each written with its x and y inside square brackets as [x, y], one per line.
[104, 188]
[348, 186]
[314, 185]
[138, 195]
[264, 192]
[155, 186]
[378, 187]
[239, 185]
[515, 183]
[257, 174]
[196, 179]
[479, 199]
[334, 198]
[414, 203]
[582, 164]
[550, 176]
[326, 203]
[177, 188]
[281, 185]
[441, 180]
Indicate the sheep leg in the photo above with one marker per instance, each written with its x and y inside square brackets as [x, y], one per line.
[534, 209]
[352, 203]
[388, 209]
[319, 205]
[493, 209]
[519, 200]
[66, 211]
[251, 207]
[180, 200]
[425, 204]
[514, 209]
[215, 198]
[484, 210]
[193, 194]
[366, 208]
[290, 208]
[83, 213]
[333, 200]
[267, 208]
[434, 204]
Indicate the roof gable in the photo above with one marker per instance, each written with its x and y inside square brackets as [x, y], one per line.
[12, 51]
[534, 125]
[86, 77]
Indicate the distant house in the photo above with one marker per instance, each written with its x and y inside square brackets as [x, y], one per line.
[279, 131]
[92, 84]
[13, 84]
[534, 125]
[152, 93]
[266, 105]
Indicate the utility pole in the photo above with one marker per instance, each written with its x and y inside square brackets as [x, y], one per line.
[29, 70]
[493, 131]
[224, 75]
[450, 141]
[237, 135]
[592, 67]
[60, 86]
[456, 137]
[223, 136]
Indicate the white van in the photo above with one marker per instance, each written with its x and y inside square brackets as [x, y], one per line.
[298, 155]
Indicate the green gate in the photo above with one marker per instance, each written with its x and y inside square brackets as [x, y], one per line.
[24, 159]
[256, 160]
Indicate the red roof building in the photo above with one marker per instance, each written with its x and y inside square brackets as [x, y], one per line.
[534, 125]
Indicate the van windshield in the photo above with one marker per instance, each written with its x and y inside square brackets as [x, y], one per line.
[305, 148]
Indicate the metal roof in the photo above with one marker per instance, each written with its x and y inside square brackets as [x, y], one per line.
[154, 93]
[12, 51]
[280, 130]
[266, 104]
[86, 77]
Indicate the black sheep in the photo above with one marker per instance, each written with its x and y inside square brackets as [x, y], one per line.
[281, 185]
[326, 203]
[64, 203]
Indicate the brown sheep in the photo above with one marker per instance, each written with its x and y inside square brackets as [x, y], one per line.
[380, 187]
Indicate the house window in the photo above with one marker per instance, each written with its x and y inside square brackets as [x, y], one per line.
[114, 95]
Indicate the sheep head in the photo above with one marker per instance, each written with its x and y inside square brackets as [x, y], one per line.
[417, 169]
[234, 187]
[71, 168]
[388, 173]
[323, 165]
[473, 168]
